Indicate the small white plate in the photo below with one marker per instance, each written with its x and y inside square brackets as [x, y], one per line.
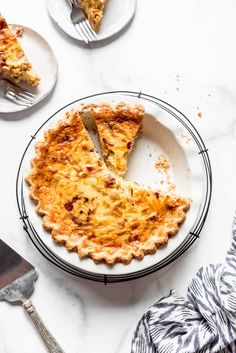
[117, 15]
[162, 134]
[43, 60]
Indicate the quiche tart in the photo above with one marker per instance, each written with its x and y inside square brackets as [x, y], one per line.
[93, 10]
[118, 126]
[90, 209]
[14, 65]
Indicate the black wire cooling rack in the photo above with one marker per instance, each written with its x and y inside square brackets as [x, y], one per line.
[189, 240]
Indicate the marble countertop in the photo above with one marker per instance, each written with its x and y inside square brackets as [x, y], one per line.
[182, 52]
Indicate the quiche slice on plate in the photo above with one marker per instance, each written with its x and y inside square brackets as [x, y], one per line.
[14, 65]
[90, 209]
[93, 10]
[118, 126]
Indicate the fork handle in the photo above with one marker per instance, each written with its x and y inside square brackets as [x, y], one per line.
[49, 340]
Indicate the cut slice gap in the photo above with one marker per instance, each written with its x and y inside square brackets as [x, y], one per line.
[118, 126]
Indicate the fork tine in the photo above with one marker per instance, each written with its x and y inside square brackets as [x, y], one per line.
[22, 91]
[90, 30]
[86, 31]
[14, 99]
[81, 33]
[20, 98]
[23, 95]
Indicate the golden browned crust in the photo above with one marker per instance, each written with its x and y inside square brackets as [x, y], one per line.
[94, 10]
[14, 65]
[118, 126]
[91, 210]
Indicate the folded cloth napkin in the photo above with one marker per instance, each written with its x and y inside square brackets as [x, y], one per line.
[205, 322]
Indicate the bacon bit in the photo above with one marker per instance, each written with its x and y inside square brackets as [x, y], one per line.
[100, 162]
[135, 225]
[86, 199]
[90, 168]
[107, 143]
[129, 145]
[153, 218]
[68, 206]
[81, 212]
[134, 237]
[84, 147]
[110, 182]
[91, 236]
[67, 138]
[75, 198]
[19, 32]
[76, 221]
[170, 206]
[157, 195]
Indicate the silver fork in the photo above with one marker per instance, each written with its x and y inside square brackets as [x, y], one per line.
[81, 24]
[17, 94]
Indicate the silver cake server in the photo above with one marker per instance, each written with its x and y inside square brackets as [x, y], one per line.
[17, 278]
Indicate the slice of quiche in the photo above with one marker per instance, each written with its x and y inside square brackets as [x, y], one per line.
[94, 10]
[118, 126]
[14, 64]
[91, 210]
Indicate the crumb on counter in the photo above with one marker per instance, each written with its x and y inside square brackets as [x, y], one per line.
[171, 187]
[185, 137]
[162, 163]
[199, 114]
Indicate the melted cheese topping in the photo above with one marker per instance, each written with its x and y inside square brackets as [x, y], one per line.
[89, 208]
[14, 65]
[118, 127]
[93, 10]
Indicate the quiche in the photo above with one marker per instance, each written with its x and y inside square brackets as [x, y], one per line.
[93, 10]
[14, 65]
[90, 209]
[118, 126]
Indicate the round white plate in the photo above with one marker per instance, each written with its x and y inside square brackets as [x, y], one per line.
[43, 60]
[162, 134]
[118, 13]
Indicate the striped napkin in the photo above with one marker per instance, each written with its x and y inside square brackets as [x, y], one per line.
[204, 322]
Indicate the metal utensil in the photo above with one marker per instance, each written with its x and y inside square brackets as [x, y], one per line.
[17, 278]
[81, 24]
[17, 94]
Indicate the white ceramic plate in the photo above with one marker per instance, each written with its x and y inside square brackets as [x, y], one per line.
[117, 15]
[43, 60]
[162, 134]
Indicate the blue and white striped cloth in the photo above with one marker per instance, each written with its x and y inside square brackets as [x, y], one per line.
[205, 322]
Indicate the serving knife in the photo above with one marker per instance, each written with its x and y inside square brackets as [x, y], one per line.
[17, 277]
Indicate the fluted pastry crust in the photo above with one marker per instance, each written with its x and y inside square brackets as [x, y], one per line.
[90, 209]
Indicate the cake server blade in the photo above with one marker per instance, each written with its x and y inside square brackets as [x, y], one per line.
[17, 278]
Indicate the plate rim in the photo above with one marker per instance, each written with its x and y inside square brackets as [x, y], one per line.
[21, 107]
[115, 32]
[202, 150]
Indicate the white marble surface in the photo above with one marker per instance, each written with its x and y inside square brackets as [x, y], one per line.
[193, 39]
